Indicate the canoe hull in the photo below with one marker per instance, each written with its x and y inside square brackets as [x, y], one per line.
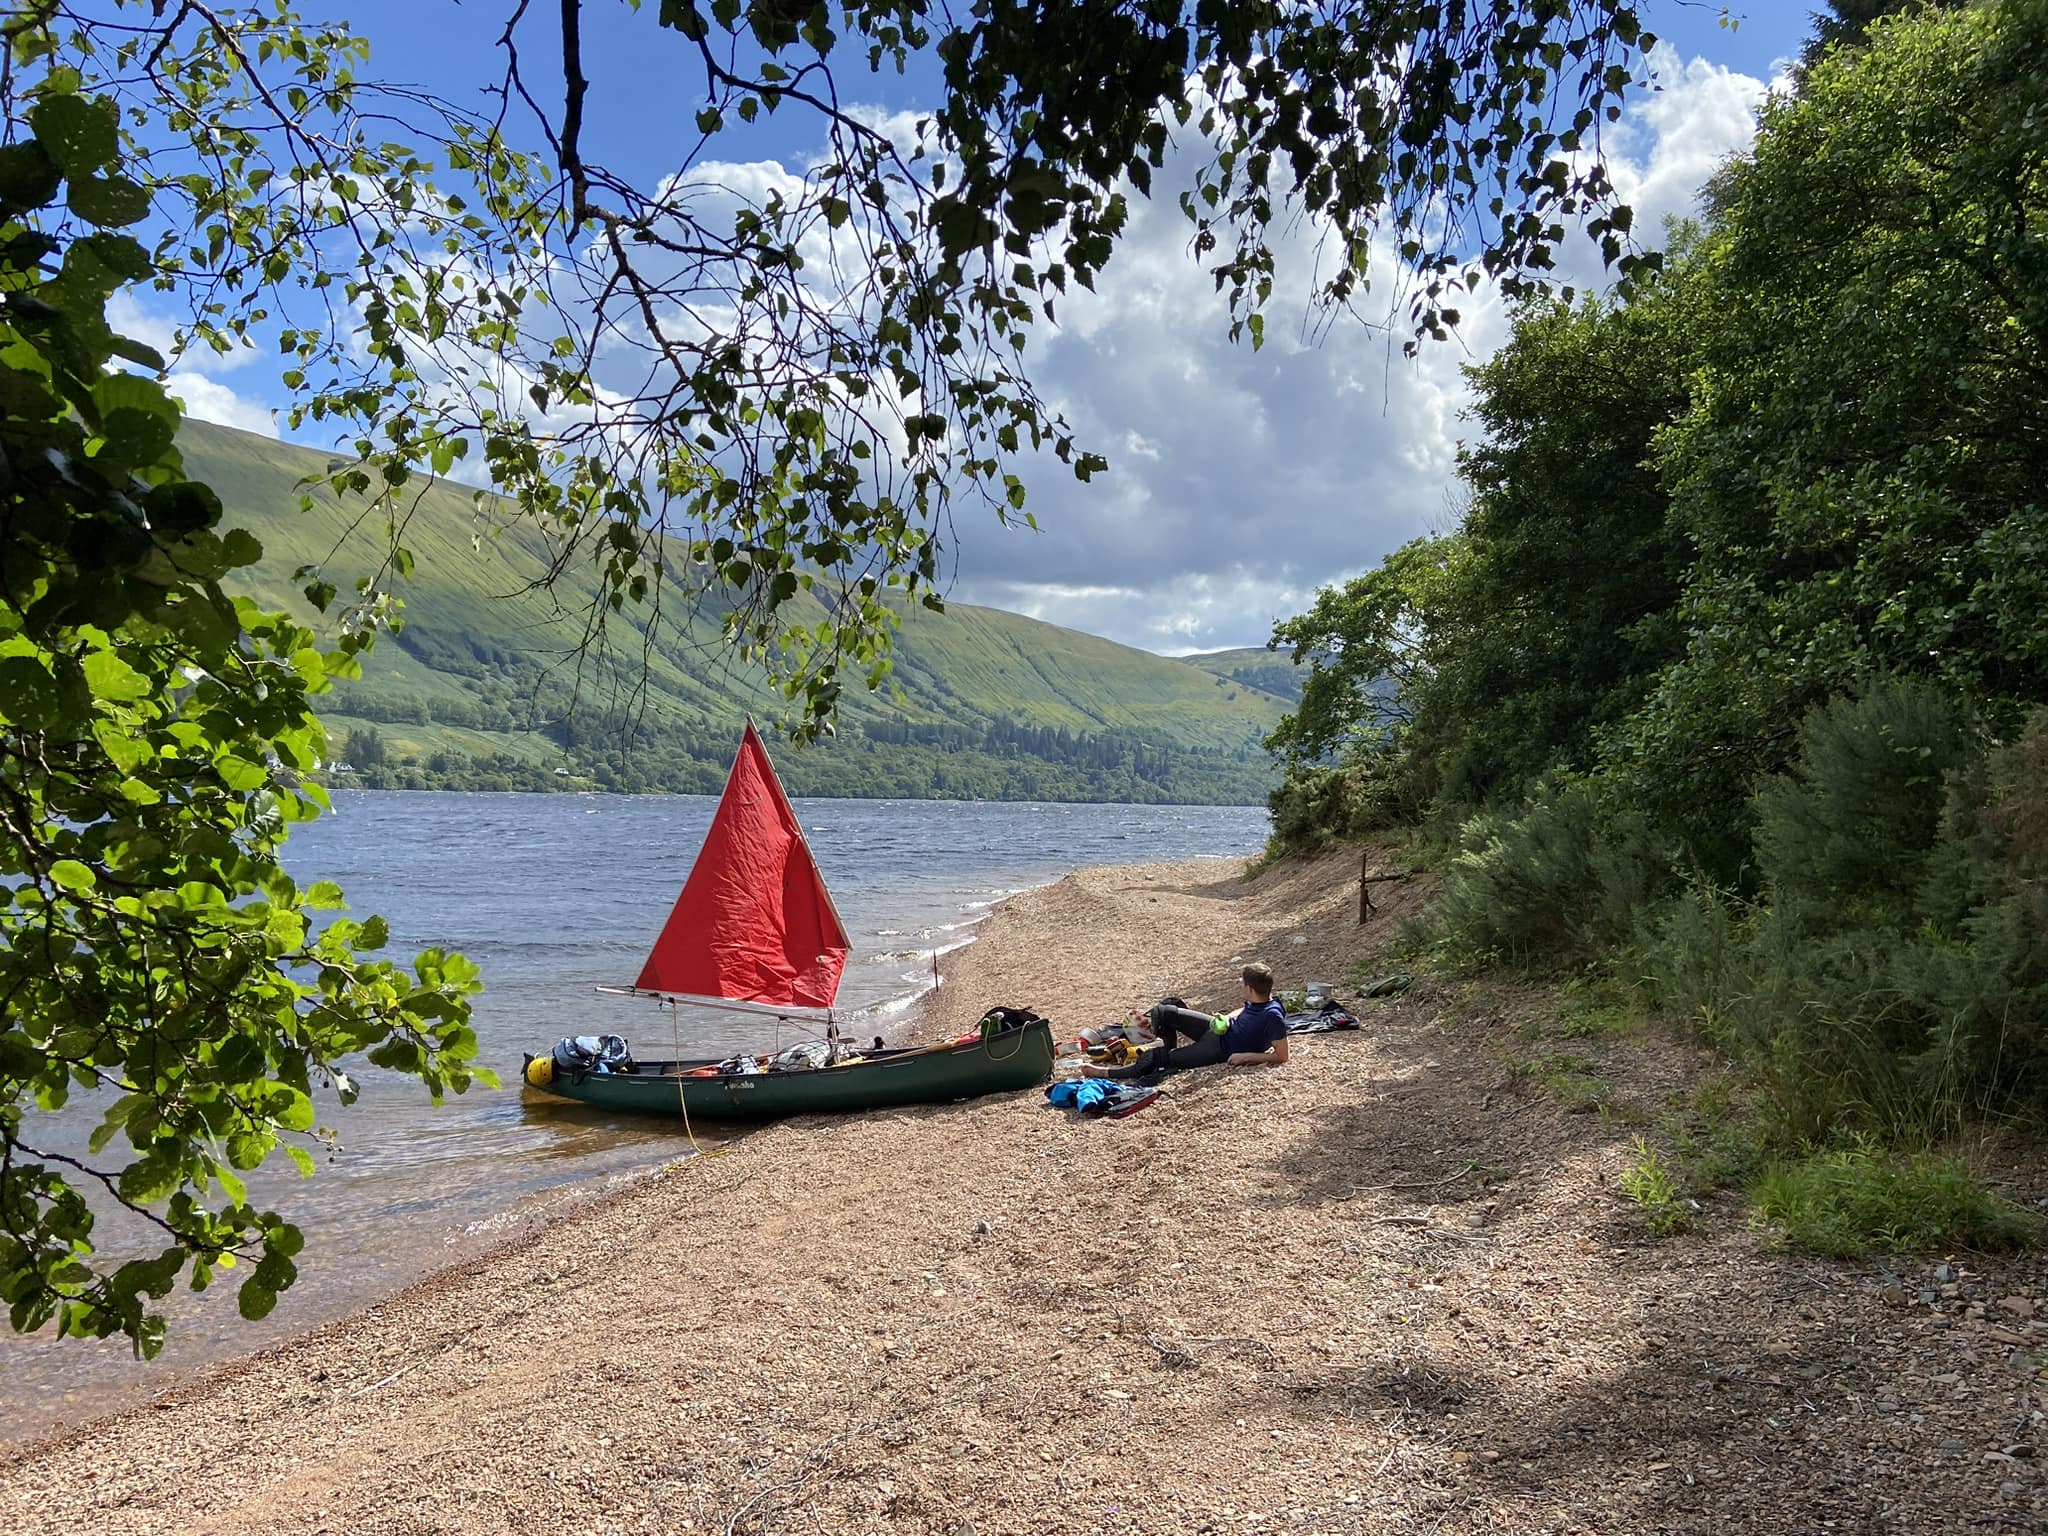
[1004, 1063]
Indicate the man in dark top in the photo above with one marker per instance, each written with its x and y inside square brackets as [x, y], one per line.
[1255, 1035]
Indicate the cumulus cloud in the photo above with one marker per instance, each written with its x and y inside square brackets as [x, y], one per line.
[1241, 481]
[210, 400]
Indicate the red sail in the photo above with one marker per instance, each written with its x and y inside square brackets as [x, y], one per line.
[754, 923]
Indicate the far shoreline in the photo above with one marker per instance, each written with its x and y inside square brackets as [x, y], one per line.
[347, 785]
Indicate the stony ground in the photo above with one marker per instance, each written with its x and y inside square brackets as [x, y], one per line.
[1386, 1288]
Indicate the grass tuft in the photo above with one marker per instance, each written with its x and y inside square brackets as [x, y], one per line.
[1848, 1201]
[1648, 1182]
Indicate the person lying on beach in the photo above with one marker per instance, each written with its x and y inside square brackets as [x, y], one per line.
[1254, 1036]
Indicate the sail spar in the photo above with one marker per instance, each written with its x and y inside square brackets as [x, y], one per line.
[754, 923]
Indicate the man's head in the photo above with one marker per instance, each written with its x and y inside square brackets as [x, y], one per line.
[1258, 982]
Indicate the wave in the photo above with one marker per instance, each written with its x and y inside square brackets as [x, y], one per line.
[923, 981]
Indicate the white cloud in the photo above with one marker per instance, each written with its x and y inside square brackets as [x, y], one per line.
[210, 400]
[130, 319]
[1698, 117]
[1241, 481]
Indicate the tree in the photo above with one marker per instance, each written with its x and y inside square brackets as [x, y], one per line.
[1373, 648]
[1563, 612]
[364, 749]
[1809, 454]
[1860, 468]
[1493, 656]
[454, 297]
[154, 955]
[1847, 23]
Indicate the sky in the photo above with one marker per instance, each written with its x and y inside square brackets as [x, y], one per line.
[1240, 482]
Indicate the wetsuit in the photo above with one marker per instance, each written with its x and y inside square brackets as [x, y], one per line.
[1256, 1027]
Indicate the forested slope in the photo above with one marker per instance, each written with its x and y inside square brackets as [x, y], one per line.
[495, 681]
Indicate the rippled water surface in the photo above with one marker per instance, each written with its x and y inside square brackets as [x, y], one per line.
[553, 896]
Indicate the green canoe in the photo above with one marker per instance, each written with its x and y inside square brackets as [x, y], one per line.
[938, 1074]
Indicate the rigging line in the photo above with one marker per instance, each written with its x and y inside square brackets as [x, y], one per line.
[682, 1096]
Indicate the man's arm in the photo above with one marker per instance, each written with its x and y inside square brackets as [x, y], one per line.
[1274, 1055]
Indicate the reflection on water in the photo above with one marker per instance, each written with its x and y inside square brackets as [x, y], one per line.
[554, 896]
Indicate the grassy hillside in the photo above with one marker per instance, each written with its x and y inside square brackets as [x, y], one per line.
[1254, 667]
[491, 680]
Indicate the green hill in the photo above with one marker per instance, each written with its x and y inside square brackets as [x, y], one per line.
[1270, 672]
[495, 683]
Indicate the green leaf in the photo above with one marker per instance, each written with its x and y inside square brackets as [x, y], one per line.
[255, 1299]
[148, 1182]
[73, 876]
[239, 774]
[81, 134]
[111, 678]
[111, 202]
[29, 695]
[239, 547]
[134, 438]
[29, 178]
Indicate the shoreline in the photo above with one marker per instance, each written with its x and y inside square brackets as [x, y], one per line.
[110, 1388]
[918, 1026]
[911, 1019]
[1382, 1288]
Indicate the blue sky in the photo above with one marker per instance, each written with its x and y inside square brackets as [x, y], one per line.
[1239, 482]
[644, 82]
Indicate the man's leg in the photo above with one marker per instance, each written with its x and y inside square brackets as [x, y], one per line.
[1207, 1051]
[1169, 1023]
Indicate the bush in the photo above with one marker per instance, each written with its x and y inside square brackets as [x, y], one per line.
[1372, 790]
[1844, 838]
[1560, 883]
[1849, 1200]
[1893, 975]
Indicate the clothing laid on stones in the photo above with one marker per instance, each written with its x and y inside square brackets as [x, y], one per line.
[1093, 1096]
[1330, 1017]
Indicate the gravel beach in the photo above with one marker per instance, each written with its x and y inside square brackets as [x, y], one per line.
[1388, 1287]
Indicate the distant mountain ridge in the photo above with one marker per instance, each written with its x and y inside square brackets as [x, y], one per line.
[1272, 672]
[485, 686]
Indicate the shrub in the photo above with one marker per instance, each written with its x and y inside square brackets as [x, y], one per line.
[1893, 975]
[1372, 790]
[1845, 836]
[1848, 1200]
[1553, 886]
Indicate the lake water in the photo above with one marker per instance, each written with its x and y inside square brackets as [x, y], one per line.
[553, 896]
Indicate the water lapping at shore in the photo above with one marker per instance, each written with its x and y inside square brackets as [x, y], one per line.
[553, 896]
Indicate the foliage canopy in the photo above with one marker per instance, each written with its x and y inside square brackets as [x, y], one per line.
[155, 958]
[1734, 676]
[799, 385]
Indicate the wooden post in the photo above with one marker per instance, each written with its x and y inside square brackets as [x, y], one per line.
[1364, 887]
